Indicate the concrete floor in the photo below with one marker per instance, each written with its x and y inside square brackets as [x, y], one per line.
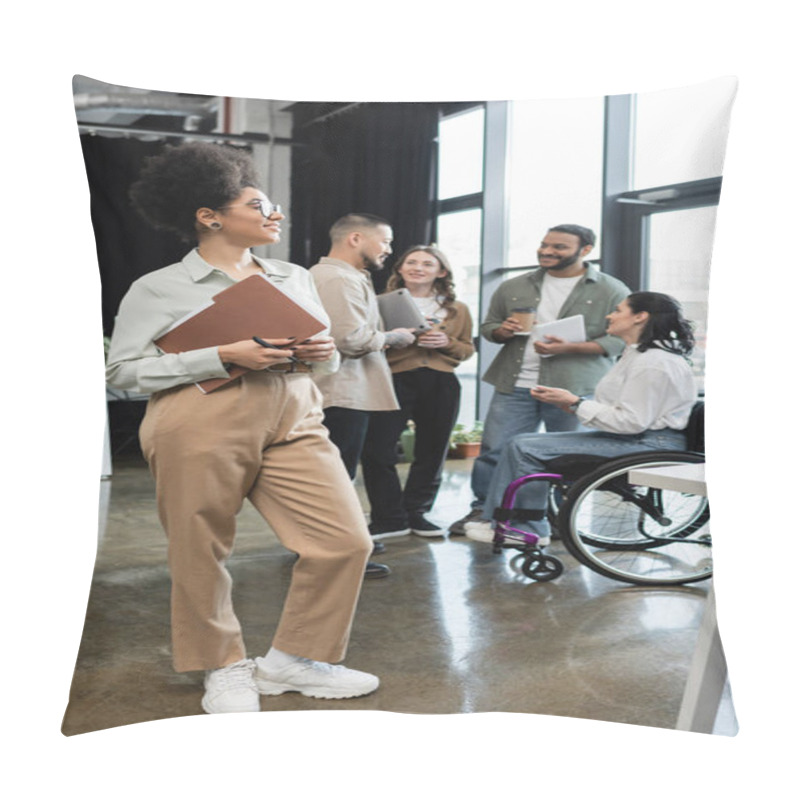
[454, 629]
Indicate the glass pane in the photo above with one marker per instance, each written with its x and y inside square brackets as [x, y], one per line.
[679, 260]
[459, 238]
[555, 171]
[680, 134]
[461, 154]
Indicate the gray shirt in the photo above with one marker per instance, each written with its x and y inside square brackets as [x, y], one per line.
[156, 300]
[364, 380]
[594, 296]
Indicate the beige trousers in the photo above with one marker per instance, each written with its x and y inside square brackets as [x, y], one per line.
[261, 438]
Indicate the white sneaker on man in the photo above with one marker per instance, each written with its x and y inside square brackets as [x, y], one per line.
[480, 531]
[313, 679]
[483, 531]
[231, 689]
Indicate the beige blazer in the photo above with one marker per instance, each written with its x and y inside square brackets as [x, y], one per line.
[363, 381]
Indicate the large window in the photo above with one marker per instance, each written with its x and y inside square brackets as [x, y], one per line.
[678, 151]
[461, 154]
[680, 133]
[459, 237]
[459, 224]
[679, 257]
[555, 173]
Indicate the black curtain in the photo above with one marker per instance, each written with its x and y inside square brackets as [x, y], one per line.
[377, 158]
[127, 247]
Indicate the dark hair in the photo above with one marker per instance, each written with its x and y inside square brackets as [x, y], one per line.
[586, 235]
[181, 179]
[443, 286]
[354, 221]
[666, 327]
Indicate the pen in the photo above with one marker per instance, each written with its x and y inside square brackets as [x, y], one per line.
[265, 343]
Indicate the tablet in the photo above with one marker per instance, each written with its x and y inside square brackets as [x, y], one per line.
[398, 310]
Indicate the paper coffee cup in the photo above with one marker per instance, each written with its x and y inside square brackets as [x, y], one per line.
[526, 317]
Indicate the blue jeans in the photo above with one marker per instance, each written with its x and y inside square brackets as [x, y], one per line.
[529, 453]
[508, 416]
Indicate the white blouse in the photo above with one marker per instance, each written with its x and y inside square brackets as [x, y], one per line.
[642, 391]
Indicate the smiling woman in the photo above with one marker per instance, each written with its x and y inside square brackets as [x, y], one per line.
[259, 437]
[229, 230]
[428, 393]
[265, 223]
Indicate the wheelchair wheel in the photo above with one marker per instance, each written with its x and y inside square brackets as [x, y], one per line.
[638, 534]
[541, 567]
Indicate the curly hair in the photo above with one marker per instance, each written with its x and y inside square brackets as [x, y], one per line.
[181, 179]
[666, 327]
[442, 286]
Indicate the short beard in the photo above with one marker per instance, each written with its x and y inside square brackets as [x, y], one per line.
[371, 265]
[563, 263]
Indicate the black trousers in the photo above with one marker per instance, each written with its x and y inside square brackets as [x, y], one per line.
[430, 398]
[347, 428]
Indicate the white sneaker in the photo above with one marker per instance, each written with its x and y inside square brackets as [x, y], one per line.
[314, 679]
[231, 689]
[484, 532]
[481, 531]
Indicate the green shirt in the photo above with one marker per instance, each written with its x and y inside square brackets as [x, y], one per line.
[595, 296]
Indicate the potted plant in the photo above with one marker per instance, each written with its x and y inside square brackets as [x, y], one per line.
[465, 442]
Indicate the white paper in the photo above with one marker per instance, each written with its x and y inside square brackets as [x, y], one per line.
[570, 329]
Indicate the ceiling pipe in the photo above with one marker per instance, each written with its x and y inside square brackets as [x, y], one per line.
[244, 138]
[144, 104]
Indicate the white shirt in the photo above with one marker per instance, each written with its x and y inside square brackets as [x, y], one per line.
[555, 291]
[642, 391]
[430, 307]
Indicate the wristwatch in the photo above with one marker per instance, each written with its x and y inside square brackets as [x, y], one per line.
[574, 406]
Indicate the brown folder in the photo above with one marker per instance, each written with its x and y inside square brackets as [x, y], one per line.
[252, 307]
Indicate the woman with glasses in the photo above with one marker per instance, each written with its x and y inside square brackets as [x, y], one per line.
[258, 437]
[428, 393]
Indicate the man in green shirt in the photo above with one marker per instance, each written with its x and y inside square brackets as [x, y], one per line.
[563, 286]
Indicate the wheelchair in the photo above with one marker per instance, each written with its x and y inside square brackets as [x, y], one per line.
[636, 534]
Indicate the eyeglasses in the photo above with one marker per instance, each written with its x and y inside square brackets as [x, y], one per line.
[267, 209]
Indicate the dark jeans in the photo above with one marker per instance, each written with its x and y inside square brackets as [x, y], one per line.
[430, 398]
[347, 428]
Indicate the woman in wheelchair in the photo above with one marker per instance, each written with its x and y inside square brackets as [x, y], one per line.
[643, 403]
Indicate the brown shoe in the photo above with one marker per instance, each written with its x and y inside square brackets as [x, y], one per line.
[457, 528]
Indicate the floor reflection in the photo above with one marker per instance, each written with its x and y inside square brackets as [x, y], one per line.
[456, 628]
